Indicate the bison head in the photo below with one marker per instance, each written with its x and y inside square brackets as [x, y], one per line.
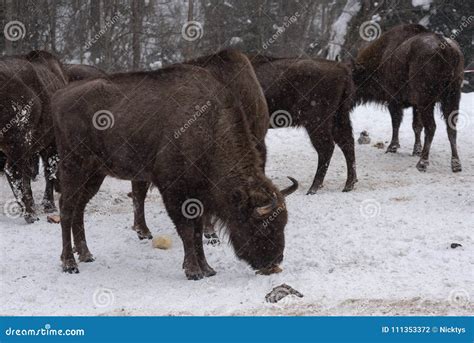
[257, 234]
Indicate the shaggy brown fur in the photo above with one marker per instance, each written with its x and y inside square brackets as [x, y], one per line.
[213, 163]
[234, 71]
[28, 83]
[78, 72]
[318, 95]
[411, 66]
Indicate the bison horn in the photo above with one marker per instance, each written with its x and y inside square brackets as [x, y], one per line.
[287, 191]
[263, 211]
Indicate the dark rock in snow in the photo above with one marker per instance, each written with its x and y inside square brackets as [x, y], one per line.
[280, 292]
[364, 138]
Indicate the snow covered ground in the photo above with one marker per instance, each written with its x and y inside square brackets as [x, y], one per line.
[382, 249]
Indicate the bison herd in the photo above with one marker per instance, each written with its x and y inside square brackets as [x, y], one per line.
[196, 130]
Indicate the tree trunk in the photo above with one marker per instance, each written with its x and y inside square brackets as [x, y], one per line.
[137, 25]
[188, 47]
[95, 7]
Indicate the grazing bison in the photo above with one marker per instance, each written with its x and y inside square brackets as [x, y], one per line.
[239, 78]
[28, 83]
[318, 95]
[411, 66]
[182, 130]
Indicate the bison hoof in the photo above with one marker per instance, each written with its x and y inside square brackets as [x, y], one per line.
[48, 206]
[349, 187]
[70, 267]
[30, 218]
[422, 165]
[208, 271]
[212, 239]
[393, 148]
[195, 275]
[314, 189]
[143, 232]
[417, 150]
[144, 235]
[456, 165]
[87, 257]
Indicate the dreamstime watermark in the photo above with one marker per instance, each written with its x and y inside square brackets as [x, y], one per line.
[370, 208]
[287, 21]
[14, 209]
[14, 30]
[458, 120]
[456, 32]
[192, 30]
[192, 208]
[199, 111]
[45, 331]
[108, 24]
[103, 297]
[459, 297]
[370, 30]
[21, 118]
[273, 215]
[103, 120]
[280, 118]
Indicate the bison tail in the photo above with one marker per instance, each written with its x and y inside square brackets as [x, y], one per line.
[452, 81]
[347, 103]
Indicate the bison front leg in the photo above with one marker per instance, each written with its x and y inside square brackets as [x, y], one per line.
[19, 179]
[50, 160]
[191, 265]
[199, 249]
[396, 113]
[209, 231]
[139, 190]
[429, 124]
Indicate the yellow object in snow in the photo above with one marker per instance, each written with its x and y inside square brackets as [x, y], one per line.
[162, 242]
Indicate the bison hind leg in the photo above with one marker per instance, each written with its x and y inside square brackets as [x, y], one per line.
[396, 113]
[324, 144]
[139, 190]
[450, 108]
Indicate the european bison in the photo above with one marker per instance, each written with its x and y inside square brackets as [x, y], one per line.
[239, 78]
[126, 127]
[316, 94]
[74, 72]
[28, 83]
[411, 66]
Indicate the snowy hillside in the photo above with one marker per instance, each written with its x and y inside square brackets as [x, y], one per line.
[382, 249]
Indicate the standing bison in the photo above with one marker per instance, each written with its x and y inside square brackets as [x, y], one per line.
[28, 83]
[126, 127]
[411, 66]
[318, 95]
[234, 71]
